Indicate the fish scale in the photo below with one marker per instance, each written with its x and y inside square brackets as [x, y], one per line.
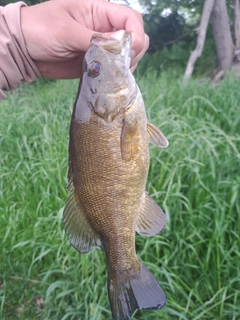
[108, 167]
[102, 191]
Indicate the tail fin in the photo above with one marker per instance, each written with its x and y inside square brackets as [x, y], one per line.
[142, 291]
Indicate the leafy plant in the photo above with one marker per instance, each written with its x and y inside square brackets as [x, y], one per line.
[196, 182]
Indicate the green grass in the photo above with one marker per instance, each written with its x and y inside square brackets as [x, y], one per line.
[196, 181]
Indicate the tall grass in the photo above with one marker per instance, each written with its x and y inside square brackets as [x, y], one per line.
[196, 181]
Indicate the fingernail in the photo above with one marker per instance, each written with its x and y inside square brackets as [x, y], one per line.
[118, 34]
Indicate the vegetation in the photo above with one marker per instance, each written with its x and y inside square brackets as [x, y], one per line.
[196, 181]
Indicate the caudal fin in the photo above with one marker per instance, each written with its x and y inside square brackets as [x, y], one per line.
[142, 291]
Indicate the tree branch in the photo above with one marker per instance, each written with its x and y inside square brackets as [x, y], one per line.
[207, 10]
[236, 29]
[182, 36]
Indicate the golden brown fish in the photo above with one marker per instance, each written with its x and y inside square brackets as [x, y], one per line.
[108, 167]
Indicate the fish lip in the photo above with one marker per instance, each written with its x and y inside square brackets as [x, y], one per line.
[121, 45]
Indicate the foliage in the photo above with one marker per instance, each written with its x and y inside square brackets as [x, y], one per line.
[175, 57]
[167, 20]
[162, 18]
[28, 2]
[174, 5]
[171, 29]
[195, 180]
[162, 30]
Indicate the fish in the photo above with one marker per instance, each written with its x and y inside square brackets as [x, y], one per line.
[108, 168]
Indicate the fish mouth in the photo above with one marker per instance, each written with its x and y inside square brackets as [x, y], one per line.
[119, 44]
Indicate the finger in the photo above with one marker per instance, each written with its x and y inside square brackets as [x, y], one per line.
[129, 20]
[76, 38]
[69, 69]
[135, 58]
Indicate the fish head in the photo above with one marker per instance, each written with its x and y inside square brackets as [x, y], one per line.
[108, 83]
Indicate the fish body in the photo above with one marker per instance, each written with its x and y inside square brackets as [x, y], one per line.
[108, 167]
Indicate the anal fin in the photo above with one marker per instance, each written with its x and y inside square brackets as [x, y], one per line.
[80, 234]
[152, 219]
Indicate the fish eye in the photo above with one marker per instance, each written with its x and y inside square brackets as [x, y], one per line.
[95, 69]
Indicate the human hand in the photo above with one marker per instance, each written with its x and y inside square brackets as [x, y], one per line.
[58, 33]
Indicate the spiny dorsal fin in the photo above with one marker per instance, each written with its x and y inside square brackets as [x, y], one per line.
[151, 220]
[80, 234]
[156, 137]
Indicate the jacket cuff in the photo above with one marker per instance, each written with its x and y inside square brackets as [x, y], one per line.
[15, 62]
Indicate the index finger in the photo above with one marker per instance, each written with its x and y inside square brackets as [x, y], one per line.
[123, 18]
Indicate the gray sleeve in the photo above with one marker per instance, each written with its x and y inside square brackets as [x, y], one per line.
[15, 62]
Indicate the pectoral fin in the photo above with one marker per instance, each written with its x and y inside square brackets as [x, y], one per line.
[129, 139]
[80, 234]
[156, 136]
[151, 220]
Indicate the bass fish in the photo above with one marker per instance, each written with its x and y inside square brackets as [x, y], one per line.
[108, 168]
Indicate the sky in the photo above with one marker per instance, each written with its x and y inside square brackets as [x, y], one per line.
[134, 4]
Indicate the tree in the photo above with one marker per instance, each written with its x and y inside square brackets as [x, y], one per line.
[222, 16]
[165, 22]
[227, 45]
[236, 29]
[207, 9]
